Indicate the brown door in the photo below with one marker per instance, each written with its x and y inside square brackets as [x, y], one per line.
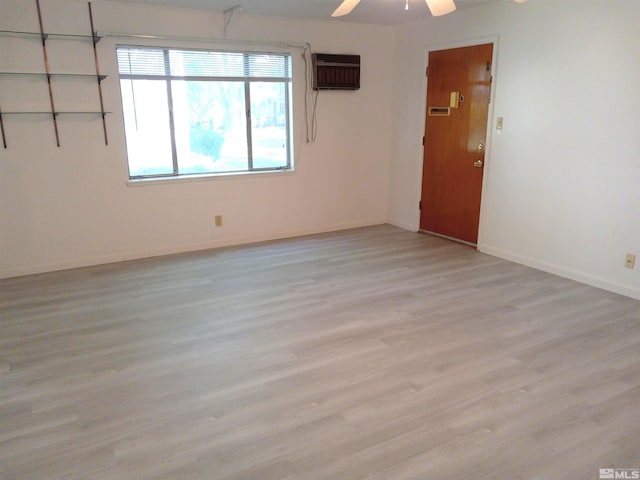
[455, 140]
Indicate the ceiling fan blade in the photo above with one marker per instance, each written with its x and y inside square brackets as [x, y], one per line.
[345, 8]
[440, 7]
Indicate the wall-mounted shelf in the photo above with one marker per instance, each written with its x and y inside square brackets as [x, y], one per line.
[53, 75]
[56, 113]
[43, 36]
[46, 35]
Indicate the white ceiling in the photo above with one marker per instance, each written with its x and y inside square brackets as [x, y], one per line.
[383, 12]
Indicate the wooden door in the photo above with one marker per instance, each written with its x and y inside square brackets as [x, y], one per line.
[455, 141]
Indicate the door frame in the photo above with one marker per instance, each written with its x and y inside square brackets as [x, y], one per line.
[495, 41]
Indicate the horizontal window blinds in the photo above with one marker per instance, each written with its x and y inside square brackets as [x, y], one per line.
[139, 61]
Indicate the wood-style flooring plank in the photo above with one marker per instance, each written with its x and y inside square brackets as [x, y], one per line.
[372, 353]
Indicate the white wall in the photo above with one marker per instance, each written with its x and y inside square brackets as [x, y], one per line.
[71, 206]
[562, 181]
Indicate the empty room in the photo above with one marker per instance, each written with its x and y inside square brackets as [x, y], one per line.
[319, 239]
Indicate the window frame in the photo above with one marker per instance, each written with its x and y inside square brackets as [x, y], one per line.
[246, 80]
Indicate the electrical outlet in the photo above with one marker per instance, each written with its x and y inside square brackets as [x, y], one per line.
[218, 220]
[630, 260]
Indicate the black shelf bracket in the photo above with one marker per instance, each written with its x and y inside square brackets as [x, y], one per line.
[44, 37]
[99, 77]
[4, 137]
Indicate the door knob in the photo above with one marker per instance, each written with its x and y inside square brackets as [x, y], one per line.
[478, 163]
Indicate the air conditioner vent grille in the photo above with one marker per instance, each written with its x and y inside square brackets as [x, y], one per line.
[336, 72]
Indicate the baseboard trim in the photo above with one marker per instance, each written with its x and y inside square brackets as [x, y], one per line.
[562, 271]
[137, 255]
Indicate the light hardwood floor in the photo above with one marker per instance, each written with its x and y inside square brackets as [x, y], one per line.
[367, 354]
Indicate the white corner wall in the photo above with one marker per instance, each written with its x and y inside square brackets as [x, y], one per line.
[562, 181]
[71, 206]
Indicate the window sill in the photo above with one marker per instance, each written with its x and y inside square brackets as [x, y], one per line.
[139, 182]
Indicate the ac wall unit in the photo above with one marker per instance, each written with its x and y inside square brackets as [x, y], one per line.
[336, 72]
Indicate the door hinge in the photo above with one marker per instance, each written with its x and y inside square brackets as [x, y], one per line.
[420, 205]
[427, 71]
[488, 66]
[423, 141]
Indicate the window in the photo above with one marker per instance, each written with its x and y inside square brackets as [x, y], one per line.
[192, 112]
